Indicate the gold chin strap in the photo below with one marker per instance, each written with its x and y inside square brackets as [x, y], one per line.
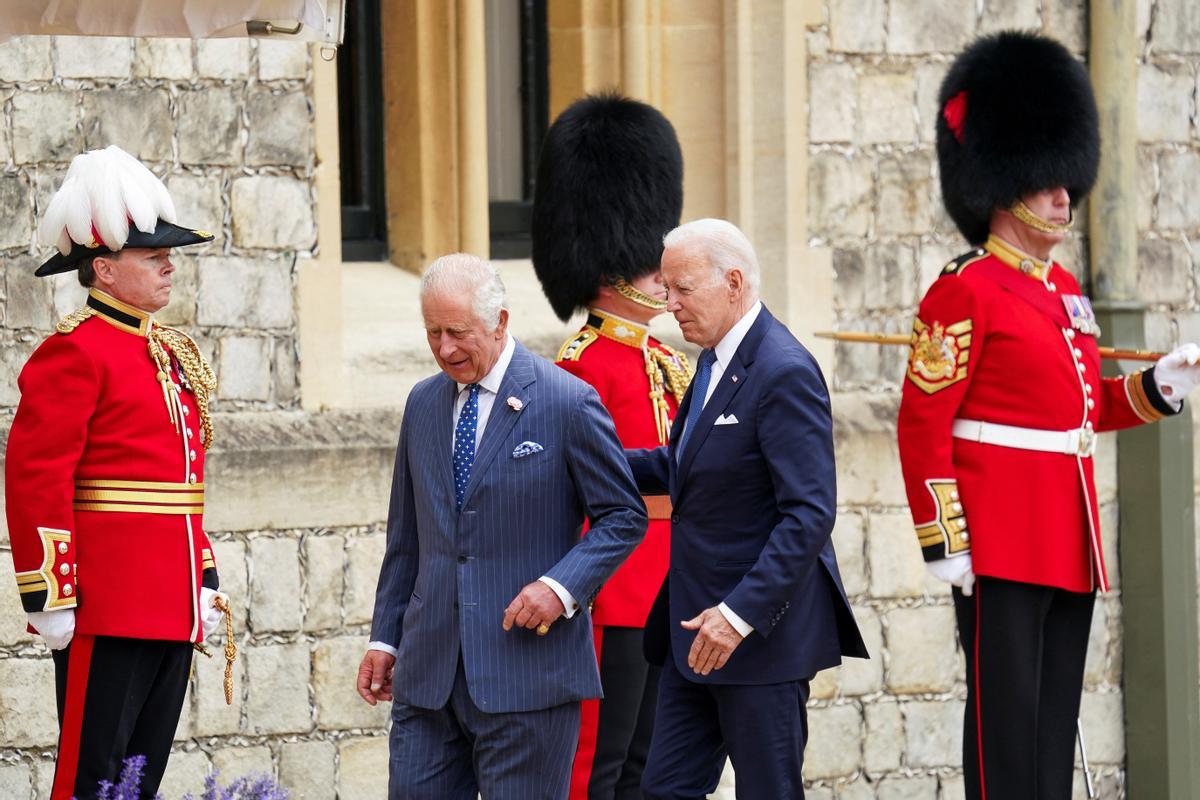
[1024, 214]
[627, 290]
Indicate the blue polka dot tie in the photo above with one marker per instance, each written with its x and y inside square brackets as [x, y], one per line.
[464, 443]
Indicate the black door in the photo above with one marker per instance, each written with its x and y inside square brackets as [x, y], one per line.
[360, 128]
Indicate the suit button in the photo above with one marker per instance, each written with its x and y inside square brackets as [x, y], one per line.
[62, 547]
[462, 559]
[191, 455]
[64, 569]
[674, 519]
[192, 478]
[456, 605]
[185, 411]
[67, 590]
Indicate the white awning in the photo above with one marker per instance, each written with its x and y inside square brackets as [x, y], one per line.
[307, 20]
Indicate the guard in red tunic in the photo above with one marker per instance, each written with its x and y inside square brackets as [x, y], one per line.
[609, 187]
[104, 479]
[1001, 405]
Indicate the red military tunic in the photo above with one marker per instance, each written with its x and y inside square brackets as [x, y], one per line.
[104, 476]
[994, 342]
[640, 381]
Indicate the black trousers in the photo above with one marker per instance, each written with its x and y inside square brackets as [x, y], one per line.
[117, 698]
[626, 719]
[1025, 646]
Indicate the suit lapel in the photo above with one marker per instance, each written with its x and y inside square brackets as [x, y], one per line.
[517, 379]
[443, 435]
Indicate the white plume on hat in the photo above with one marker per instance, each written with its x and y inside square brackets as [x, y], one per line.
[104, 191]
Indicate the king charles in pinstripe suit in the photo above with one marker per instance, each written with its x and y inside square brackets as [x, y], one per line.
[481, 634]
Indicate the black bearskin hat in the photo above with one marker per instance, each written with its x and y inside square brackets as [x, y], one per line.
[1016, 115]
[609, 187]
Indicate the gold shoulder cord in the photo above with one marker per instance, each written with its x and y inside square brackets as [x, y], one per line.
[195, 369]
[230, 648]
[667, 371]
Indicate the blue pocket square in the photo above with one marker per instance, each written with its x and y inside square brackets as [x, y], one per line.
[527, 449]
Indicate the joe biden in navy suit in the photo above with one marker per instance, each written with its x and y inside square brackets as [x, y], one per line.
[481, 634]
[753, 605]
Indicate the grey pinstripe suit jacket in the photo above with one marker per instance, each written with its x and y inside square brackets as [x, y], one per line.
[447, 576]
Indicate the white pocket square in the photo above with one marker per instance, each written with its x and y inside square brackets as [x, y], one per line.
[726, 420]
[527, 449]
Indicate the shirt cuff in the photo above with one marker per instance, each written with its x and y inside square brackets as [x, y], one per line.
[383, 648]
[740, 625]
[567, 600]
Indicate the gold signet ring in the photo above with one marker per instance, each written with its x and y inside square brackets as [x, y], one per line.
[543, 629]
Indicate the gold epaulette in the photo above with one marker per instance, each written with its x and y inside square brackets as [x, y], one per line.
[73, 320]
[959, 264]
[573, 348]
[675, 368]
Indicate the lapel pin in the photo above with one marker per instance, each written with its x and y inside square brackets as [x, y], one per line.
[734, 378]
[515, 403]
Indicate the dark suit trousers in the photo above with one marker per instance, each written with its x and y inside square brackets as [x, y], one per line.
[762, 729]
[1025, 646]
[458, 752]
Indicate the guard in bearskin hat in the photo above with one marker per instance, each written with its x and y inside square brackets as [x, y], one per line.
[104, 479]
[609, 187]
[1001, 404]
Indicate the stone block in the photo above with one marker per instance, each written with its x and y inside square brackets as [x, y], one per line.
[245, 292]
[169, 59]
[183, 726]
[830, 118]
[856, 26]
[226, 59]
[1164, 102]
[231, 567]
[213, 717]
[16, 781]
[209, 120]
[136, 120]
[90, 57]
[932, 258]
[16, 227]
[360, 773]
[1176, 26]
[1067, 22]
[245, 368]
[44, 127]
[279, 125]
[272, 211]
[824, 685]
[26, 58]
[68, 294]
[902, 787]
[12, 613]
[237, 762]
[181, 310]
[282, 60]
[885, 735]
[885, 108]
[1179, 178]
[365, 555]
[890, 277]
[1164, 271]
[30, 301]
[277, 679]
[922, 652]
[306, 769]
[335, 670]
[864, 436]
[860, 789]
[1006, 15]
[929, 78]
[834, 742]
[286, 386]
[185, 773]
[1109, 525]
[15, 350]
[951, 787]
[27, 708]
[1096, 667]
[839, 188]
[43, 777]
[1102, 716]
[324, 558]
[849, 542]
[859, 676]
[893, 556]
[905, 189]
[914, 26]
[198, 204]
[933, 732]
[1106, 468]
[275, 584]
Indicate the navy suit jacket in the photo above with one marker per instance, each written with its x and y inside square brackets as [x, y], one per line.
[754, 505]
[447, 576]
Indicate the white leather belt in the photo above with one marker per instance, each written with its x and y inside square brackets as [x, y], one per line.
[1075, 442]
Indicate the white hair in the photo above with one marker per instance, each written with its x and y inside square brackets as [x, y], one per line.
[722, 243]
[460, 273]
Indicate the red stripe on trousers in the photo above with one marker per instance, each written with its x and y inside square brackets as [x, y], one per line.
[978, 701]
[78, 666]
[589, 731]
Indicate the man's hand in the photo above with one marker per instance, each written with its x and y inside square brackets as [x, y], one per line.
[375, 676]
[1176, 373]
[955, 571]
[57, 628]
[210, 615]
[715, 642]
[535, 605]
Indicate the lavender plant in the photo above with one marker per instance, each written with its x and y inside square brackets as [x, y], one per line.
[255, 786]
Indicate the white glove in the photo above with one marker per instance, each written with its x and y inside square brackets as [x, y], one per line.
[57, 628]
[955, 571]
[1176, 373]
[210, 615]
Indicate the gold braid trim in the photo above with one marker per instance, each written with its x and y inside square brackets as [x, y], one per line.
[675, 368]
[73, 320]
[195, 369]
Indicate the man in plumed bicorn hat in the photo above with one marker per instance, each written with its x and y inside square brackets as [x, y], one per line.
[609, 187]
[104, 479]
[1001, 404]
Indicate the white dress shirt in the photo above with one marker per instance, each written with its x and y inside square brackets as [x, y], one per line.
[724, 352]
